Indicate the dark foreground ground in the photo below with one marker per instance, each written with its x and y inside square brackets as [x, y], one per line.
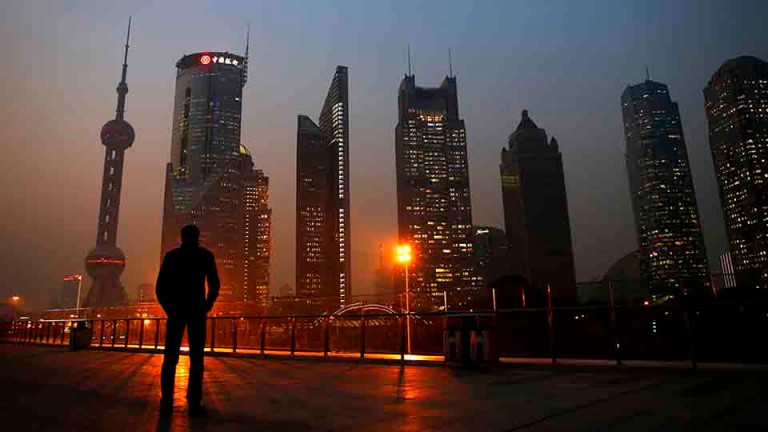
[51, 388]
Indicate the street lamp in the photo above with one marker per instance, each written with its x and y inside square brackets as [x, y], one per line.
[79, 285]
[404, 257]
[15, 300]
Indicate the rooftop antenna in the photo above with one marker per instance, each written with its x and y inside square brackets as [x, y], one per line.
[247, 46]
[647, 74]
[409, 59]
[450, 64]
[122, 88]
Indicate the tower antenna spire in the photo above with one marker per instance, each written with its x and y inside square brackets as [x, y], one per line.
[450, 64]
[247, 46]
[122, 87]
[647, 74]
[409, 59]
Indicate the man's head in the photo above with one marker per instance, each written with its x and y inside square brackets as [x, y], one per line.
[190, 235]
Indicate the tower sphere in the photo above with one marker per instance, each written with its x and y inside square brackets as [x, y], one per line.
[105, 260]
[117, 133]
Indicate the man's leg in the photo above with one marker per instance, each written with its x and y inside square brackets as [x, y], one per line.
[174, 331]
[196, 333]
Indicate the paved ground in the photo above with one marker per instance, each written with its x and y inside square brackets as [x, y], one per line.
[51, 388]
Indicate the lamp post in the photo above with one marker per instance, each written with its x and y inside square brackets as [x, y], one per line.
[79, 285]
[404, 257]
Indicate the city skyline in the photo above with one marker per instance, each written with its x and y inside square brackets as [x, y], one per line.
[486, 114]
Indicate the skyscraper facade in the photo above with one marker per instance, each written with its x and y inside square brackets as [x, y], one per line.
[323, 259]
[256, 231]
[492, 252]
[663, 197]
[737, 111]
[536, 210]
[434, 209]
[205, 176]
[106, 262]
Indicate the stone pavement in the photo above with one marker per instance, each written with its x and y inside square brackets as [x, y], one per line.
[51, 388]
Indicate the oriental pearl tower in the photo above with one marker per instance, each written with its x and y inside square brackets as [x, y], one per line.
[105, 262]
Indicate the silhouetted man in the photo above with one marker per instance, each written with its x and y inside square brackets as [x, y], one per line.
[180, 290]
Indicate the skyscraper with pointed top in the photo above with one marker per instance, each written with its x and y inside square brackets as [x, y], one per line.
[672, 249]
[323, 258]
[434, 210]
[106, 262]
[210, 179]
[737, 114]
[536, 210]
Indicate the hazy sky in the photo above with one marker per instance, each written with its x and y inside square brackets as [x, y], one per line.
[566, 61]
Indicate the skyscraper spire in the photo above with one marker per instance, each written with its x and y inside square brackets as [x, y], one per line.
[122, 88]
[409, 59]
[247, 46]
[450, 64]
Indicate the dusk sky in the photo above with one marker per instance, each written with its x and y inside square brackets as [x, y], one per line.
[567, 62]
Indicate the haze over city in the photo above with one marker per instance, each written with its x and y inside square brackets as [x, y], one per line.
[566, 63]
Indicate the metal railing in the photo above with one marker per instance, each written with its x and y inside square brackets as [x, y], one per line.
[670, 332]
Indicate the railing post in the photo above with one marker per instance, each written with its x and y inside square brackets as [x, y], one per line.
[362, 333]
[263, 334]
[157, 332]
[234, 335]
[114, 332]
[402, 338]
[101, 337]
[213, 334]
[127, 332]
[326, 337]
[614, 327]
[141, 333]
[293, 336]
[689, 330]
[551, 323]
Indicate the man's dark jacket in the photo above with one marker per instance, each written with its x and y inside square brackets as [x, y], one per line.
[180, 284]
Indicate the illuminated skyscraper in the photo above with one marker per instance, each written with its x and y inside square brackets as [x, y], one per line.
[492, 252]
[662, 192]
[323, 259]
[737, 110]
[434, 210]
[105, 262]
[536, 210]
[206, 179]
[257, 231]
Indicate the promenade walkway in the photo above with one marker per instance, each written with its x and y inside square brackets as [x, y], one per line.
[52, 388]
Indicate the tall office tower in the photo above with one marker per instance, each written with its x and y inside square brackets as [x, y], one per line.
[434, 211]
[323, 256]
[492, 252]
[106, 262]
[257, 231]
[203, 178]
[663, 197]
[536, 210]
[737, 111]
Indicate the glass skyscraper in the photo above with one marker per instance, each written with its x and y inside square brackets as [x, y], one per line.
[204, 179]
[737, 110]
[663, 197]
[536, 210]
[434, 210]
[323, 259]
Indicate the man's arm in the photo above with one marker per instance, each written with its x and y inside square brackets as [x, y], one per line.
[163, 284]
[213, 283]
